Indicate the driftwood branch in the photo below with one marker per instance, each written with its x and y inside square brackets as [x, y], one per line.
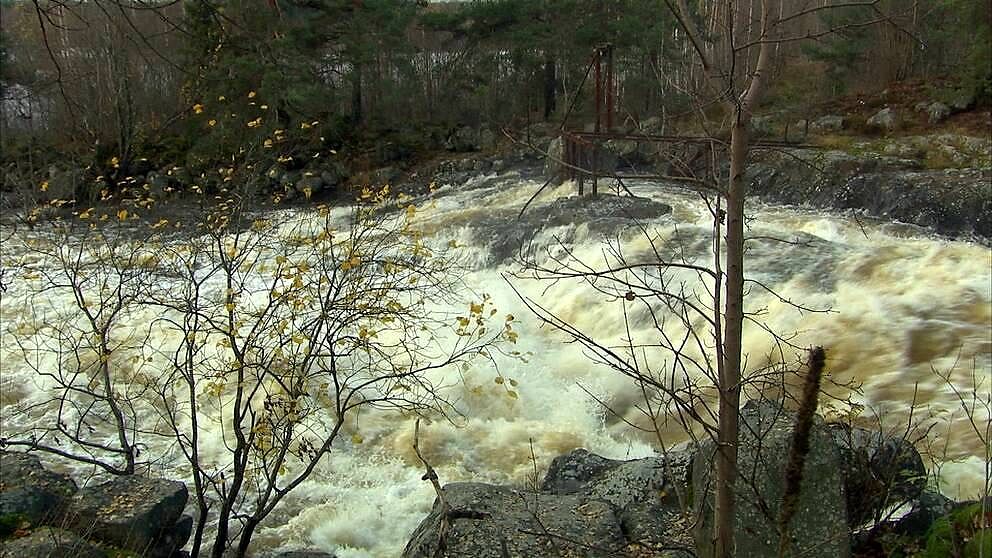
[431, 475]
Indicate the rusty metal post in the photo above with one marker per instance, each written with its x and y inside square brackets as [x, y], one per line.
[566, 155]
[599, 88]
[609, 87]
[595, 168]
[580, 162]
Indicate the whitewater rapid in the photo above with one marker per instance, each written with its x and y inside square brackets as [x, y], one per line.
[903, 304]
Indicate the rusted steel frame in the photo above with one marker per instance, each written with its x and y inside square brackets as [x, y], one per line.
[599, 89]
[653, 138]
[642, 137]
[609, 87]
[595, 168]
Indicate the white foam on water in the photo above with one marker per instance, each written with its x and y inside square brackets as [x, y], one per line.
[901, 304]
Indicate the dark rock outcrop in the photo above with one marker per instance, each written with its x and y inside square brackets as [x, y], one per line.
[606, 215]
[646, 494]
[819, 527]
[879, 471]
[132, 512]
[572, 472]
[589, 505]
[49, 542]
[486, 521]
[953, 201]
[31, 492]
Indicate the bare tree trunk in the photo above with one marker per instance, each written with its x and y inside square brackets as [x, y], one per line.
[550, 87]
[356, 94]
[730, 375]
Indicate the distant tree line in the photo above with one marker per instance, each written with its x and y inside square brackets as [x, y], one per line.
[114, 80]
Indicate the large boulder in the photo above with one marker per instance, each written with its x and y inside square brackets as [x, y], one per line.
[133, 512]
[49, 542]
[828, 123]
[819, 527]
[937, 112]
[880, 471]
[556, 153]
[630, 153]
[885, 120]
[572, 472]
[648, 494]
[486, 521]
[30, 492]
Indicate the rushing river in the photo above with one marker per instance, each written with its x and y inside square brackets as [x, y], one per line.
[904, 307]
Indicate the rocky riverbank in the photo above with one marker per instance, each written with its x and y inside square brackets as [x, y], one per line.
[854, 483]
[863, 494]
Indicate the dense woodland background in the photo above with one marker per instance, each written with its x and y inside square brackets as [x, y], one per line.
[197, 83]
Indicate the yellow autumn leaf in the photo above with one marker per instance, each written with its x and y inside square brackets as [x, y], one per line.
[251, 94]
[122, 214]
[198, 108]
[357, 438]
[212, 123]
[44, 186]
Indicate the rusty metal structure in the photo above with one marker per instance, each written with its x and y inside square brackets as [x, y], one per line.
[584, 157]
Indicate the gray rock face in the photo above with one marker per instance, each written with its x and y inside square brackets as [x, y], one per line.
[879, 471]
[886, 120]
[488, 139]
[572, 472]
[937, 112]
[28, 489]
[629, 153]
[763, 126]
[952, 202]
[819, 527]
[50, 543]
[828, 123]
[130, 512]
[644, 492]
[556, 152]
[604, 214]
[488, 521]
